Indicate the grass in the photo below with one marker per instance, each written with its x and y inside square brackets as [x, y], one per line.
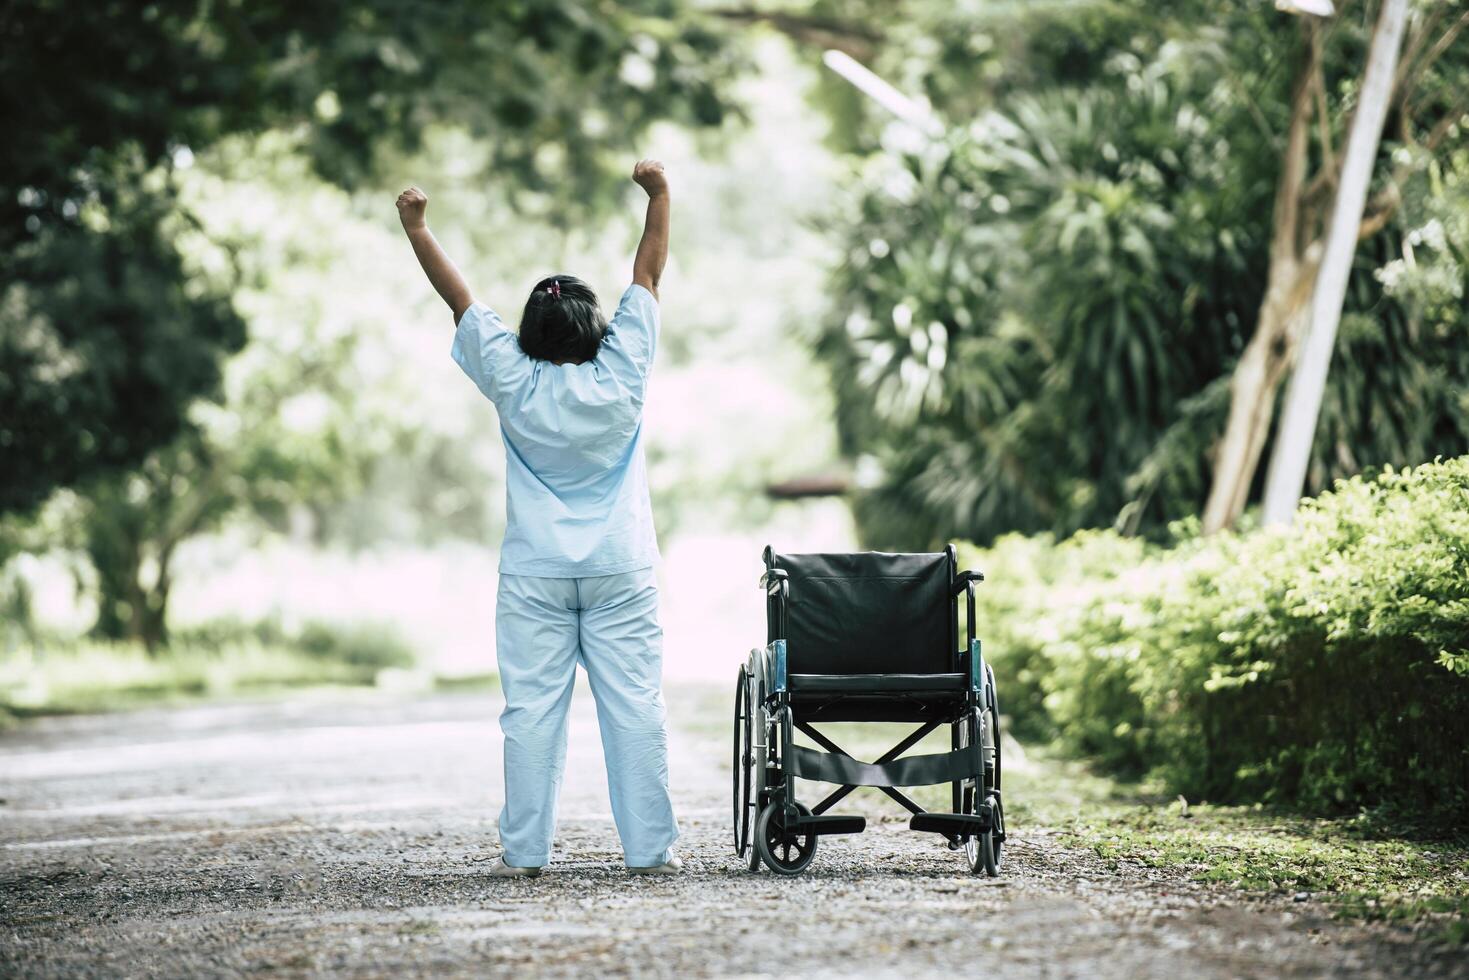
[1364, 869]
[92, 677]
[106, 676]
[1367, 868]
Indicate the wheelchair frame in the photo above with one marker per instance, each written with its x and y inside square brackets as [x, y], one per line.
[767, 760]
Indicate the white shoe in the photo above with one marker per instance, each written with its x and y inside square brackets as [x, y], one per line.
[503, 870]
[670, 867]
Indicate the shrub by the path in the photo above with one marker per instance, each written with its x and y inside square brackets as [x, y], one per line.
[1324, 665]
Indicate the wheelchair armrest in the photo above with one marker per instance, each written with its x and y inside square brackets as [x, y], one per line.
[963, 579]
[769, 663]
[972, 663]
[772, 578]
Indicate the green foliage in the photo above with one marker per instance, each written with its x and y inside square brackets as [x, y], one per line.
[372, 645]
[1325, 665]
[1358, 868]
[1056, 295]
[1400, 378]
[550, 86]
[104, 340]
[1037, 314]
[306, 416]
[287, 429]
[1381, 866]
[216, 659]
[358, 645]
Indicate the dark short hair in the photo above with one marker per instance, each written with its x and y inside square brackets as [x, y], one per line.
[562, 321]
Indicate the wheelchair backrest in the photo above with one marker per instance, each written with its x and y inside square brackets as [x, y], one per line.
[867, 613]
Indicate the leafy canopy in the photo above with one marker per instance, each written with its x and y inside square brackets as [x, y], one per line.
[1037, 313]
[105, 337]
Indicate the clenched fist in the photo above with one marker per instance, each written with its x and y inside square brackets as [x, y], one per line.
[648, 174]
[412, 204]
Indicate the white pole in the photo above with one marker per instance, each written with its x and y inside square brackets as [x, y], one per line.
[1314, 8]
[1286, 476]
[876, 88]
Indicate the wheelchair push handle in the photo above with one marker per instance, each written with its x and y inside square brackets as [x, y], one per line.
[964, 578]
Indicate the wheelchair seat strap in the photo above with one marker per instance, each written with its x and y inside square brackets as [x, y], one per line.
[913, 770]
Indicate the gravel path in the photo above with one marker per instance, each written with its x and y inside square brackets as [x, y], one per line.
[350, 834]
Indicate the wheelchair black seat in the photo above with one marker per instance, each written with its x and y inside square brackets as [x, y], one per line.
[864, 637]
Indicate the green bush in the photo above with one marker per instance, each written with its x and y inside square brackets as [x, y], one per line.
[226, 631]
[1324, 665]
[221, 657]
[360, 644]
[104, 676]
[367, 645]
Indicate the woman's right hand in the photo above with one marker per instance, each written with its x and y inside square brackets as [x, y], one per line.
[648, 174]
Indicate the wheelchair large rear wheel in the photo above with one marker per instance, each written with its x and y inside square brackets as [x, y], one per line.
[997, 808]
[744, 762]
[784, 853]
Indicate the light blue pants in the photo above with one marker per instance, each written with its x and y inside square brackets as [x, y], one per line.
[544, 627]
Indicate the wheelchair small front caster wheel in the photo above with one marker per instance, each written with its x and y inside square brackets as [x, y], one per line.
[985, 851]
[784, 853]
[989, 853]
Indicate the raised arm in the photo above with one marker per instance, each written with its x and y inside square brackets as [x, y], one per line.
[437, 265]
[647, 265]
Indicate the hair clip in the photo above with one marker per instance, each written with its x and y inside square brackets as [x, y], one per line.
[554, 289]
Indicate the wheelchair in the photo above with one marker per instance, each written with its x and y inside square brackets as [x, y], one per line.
[870, 637]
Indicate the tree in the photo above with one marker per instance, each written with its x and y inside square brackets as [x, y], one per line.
[1303, 398]
[1031, 315]
[307, 413]
[1420, 93]
[103, 342]
[244, 458]
[1038, 315]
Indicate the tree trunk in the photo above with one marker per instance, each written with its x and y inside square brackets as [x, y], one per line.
[1260, 368]
[127, 609]
[154, 632]
[152, 629]
[1287, 474]
[117, 562]
[1256, 379]
[128, 606]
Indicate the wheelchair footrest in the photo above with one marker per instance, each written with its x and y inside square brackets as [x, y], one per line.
[832, 825]
[950, 824]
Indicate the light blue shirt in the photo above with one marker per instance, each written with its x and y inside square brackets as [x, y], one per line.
[576, 484]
